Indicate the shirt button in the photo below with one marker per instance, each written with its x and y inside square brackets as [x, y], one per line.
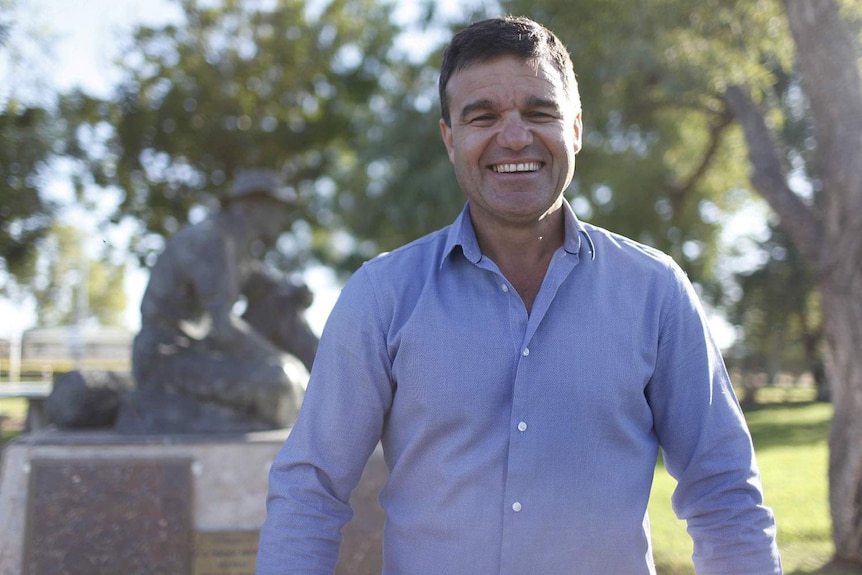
[516, 507]
[522, 426]
[526, 352]
[505, 288]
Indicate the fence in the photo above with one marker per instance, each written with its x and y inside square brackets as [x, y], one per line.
[41, 353]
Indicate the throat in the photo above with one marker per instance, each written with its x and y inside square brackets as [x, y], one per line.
[527, 278]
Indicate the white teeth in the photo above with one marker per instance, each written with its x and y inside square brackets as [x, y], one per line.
[523, 167]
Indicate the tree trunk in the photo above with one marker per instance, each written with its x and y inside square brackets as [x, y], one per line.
[828, 60]
[831, 239]
[843, 310]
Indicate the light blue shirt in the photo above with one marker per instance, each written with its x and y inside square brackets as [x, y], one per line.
[519, 444]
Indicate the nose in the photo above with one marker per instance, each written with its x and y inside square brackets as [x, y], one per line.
[514, 133]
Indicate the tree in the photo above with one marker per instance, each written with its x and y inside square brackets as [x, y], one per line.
[827, 232]
[660, 149]
[71, 285]
[238, 87]
[781, 317]
[24, 216]
[37, 127]
[408, 187]
[23, 145]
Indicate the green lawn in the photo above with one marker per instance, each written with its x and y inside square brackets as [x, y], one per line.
[791, 443]
[16, 411]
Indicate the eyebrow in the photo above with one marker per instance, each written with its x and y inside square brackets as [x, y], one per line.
[485, 105]
[476, 106]
[536, 102]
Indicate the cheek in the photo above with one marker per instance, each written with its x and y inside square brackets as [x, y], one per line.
[469, 148]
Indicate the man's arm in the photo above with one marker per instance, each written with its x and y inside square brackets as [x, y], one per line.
[340, 424]
[707, 446]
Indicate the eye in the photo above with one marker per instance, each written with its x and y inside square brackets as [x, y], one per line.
[482, 119]
[541, 116]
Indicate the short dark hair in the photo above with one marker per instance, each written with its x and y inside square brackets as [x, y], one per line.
[507, 36]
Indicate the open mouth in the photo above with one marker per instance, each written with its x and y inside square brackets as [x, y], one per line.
[523, 167]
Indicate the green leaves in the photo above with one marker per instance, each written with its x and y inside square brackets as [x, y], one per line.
[241, 87]
[660, 140]
[25, 144]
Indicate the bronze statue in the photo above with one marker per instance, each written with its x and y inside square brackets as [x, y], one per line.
[199, 366]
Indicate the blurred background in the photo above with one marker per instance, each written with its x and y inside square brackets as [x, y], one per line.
[123, 120]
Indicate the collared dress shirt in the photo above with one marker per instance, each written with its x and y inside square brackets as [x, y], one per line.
[519, 444]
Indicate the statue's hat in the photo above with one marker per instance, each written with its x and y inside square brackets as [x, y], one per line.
[257, 181]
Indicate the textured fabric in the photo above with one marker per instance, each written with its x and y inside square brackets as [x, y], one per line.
[519, 444]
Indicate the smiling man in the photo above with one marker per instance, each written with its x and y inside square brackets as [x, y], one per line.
[522, 369]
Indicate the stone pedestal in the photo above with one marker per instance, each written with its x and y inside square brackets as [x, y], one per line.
[91, 503]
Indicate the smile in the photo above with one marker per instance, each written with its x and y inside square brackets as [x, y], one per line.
[514, 168]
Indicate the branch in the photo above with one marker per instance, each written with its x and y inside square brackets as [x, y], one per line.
[769, 178]
[716, 131]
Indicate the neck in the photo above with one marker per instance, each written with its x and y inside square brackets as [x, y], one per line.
[523, 254]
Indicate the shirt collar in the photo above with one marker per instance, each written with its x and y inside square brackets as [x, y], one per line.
[461, 234]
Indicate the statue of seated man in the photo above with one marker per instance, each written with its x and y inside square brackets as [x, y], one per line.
[198, 366]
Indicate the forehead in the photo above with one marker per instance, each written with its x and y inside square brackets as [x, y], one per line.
[505, 79]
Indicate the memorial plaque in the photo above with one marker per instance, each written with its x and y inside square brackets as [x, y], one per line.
[108, 517]
[225, 552]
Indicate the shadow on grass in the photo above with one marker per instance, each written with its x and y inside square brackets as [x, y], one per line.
[833, 568]
[782, 429]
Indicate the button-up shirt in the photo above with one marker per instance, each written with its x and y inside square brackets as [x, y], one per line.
[519, 443]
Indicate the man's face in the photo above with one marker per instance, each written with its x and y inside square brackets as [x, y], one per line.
[513, 139]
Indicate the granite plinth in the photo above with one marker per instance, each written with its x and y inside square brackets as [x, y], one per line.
[74, 519]
[199, 501]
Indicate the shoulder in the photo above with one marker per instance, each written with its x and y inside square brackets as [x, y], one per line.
[629, 264]
[386, 285]
[425, 250]
[408, 266]
[393, 279]
[615, 248]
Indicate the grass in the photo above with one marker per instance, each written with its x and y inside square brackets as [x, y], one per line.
[791, 442]
[15, 412]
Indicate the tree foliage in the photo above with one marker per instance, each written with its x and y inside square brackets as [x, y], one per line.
[238, 87]
[25, 217]
[781, 317]
[661, 150]
[38, 131]
[72, 286]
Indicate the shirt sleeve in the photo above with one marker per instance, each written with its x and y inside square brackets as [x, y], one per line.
[348, 397]
[706, 445]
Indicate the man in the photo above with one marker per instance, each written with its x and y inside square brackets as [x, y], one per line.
[193, 346]
[521, 368]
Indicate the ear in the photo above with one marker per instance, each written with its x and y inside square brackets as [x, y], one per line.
[579, 132]
[446, 132]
